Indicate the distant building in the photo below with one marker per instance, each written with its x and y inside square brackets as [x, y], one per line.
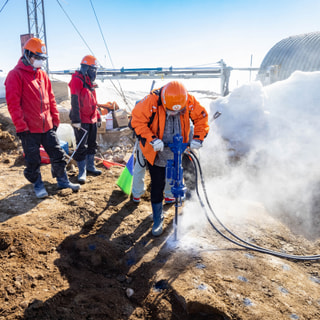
[300, 52]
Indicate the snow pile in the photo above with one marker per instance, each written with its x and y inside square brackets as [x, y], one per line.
[243, 122]
[273, 135]
[2, 88]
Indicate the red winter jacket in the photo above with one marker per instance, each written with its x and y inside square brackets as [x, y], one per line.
[30, 99]
[83, 100]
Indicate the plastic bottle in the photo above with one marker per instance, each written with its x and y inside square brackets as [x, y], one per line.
[66, 133]
[109, 121]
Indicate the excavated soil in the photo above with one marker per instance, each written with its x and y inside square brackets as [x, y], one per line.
[91, 255]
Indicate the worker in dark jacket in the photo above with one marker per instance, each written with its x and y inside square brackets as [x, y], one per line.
[84, 114]
[34, 113]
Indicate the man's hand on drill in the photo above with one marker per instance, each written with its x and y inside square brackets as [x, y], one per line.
[157, 144]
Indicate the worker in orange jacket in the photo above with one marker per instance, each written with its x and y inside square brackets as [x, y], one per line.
[156, 119]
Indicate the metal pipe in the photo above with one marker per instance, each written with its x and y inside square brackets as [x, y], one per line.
[78, 145]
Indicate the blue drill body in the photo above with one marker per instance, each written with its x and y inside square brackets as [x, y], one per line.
[174, 170]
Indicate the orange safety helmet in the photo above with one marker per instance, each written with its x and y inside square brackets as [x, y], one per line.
[174, 96]
[90, 61]
[37, 47]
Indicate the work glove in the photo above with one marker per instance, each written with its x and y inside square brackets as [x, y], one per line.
[157, 144]
[23, 133]
[76, 125]
[99, 123]
[195, 144]
[54, 128]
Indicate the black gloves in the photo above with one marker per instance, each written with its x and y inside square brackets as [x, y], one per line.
[55, 128]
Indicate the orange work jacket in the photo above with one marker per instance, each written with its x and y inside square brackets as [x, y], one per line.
[149, 118]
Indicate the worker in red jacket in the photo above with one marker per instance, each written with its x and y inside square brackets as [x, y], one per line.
[84, 114]
[34, 113]
[156, 119]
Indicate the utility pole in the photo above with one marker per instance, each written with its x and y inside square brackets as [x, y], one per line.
[36, 22]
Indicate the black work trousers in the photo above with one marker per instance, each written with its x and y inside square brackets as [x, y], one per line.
[88, 144]
[158, 181]
[158, 178]
[31, 143]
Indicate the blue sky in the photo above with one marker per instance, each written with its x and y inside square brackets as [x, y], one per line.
[141, 33]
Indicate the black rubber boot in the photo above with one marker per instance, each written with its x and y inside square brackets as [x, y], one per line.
[63, 183]
[157, 219]
[90, 165]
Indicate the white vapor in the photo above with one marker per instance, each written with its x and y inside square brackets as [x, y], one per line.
[265, 148]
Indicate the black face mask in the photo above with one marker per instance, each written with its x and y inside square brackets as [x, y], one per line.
[92, 73]
[84, 68]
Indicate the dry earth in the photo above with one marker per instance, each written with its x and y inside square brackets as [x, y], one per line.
[90, 255]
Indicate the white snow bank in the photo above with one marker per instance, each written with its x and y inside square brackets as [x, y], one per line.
[2, 87]
[275, 130]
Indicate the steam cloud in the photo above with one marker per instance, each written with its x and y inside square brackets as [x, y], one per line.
[265, 148]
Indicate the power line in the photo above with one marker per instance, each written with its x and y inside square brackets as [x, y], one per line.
[4, 6]
[75, 28]
[104, 40]
[105, 43]
[121, 93]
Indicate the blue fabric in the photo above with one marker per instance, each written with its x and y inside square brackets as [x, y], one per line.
[130, 164]
[64, 146]
[126, 177]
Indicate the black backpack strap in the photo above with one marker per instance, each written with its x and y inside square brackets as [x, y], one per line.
[85, 84]
[157, 92]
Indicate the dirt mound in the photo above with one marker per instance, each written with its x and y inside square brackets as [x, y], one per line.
[7, 141]
[91, 255]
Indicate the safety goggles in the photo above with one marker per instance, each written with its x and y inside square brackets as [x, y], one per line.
[92, 69]
[38, 57]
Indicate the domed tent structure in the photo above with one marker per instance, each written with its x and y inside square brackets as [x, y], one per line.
[300, 52]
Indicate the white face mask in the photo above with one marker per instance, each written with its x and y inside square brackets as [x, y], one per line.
[172, 113]
[38, 64]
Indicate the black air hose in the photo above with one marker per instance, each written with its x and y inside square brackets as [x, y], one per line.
[244, 244]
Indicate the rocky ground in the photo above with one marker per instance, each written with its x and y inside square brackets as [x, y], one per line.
[91, 255]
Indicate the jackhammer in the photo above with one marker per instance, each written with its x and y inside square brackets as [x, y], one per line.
[174, 172]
